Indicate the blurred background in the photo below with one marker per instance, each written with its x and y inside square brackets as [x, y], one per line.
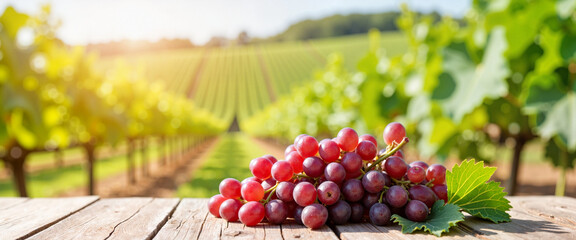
[167, 98]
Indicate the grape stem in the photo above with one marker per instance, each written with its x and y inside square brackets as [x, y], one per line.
[388, 154]
[272, 188]
[272, 191]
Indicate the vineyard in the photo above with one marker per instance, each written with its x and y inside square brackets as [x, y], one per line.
[503, 92]
[240, 81]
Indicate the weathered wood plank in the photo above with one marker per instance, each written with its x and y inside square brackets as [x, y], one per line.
[273, 231]
[147, 221]
[11, 201]
[212, 228]
[560, 210]
[186, 221]
[358, 231]
[31, 216]
[98, 221]
[522, 226]
[237, 230]
[292, 230]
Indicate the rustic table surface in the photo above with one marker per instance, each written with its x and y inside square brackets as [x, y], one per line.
[538, 217]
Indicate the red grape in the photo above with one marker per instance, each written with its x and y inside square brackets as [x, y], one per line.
[251, 179]
[351, 162]
[329, 151]
[229, 209]
[214, 204]
[289, 149]
[328, 193]
[296, 139]
[313, 166]
[380, 214]
[252, 191]
[296, 161]
[373, 181]
[282, 171]
[396, 196]
[370, 199]
[251, 213]
[347, 139]
[276, 211]
[314, 216]
[352, 190]
[441, 192]
[394, 132]
[421, 164]
[357, 212]
[285, 191]
[260, 167]
[416, 211]
[367, 150]
[307, 146]
[304, 194]
[335, 172]
[395, 167]
[368, 137]
[339, 212]
[398, 153]
[422, 193]
[416, 174]
[271, 158]
[230, 188]
[437, 173]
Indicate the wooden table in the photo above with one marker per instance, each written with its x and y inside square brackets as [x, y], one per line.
[542, 217]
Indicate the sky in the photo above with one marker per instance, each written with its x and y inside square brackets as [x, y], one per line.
[93, 21]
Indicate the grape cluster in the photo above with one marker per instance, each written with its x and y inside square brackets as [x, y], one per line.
[345, 179]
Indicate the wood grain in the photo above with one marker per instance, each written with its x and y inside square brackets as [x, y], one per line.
[537, 217]
[11, 202]
[360, 231]
[212, 228]
[28, 217]
[292, 230]
[186, 221]
[98, 221]
[237, 230]
[147, 221]
[560, 210]
[522, 226]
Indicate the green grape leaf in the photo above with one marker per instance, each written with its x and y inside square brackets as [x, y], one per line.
[541, 91]
[567, 47]
[468, 188]
[474, 83]
[441, 218]
[560, 121]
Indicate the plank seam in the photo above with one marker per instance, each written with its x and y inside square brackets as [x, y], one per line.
[202, 225]
[164, 221]
[42, 228]
[125, 220]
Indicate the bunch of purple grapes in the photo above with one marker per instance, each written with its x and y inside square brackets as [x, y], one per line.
[345, 179]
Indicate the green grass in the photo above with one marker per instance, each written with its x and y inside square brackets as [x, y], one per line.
[229, 159]
[52, 182]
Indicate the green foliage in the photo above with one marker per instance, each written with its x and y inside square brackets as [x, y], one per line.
[337, 25]
[321, 108]
[53, 97]
[441, 218]
[469, 190]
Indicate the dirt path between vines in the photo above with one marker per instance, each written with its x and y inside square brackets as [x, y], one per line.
[162, 182]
